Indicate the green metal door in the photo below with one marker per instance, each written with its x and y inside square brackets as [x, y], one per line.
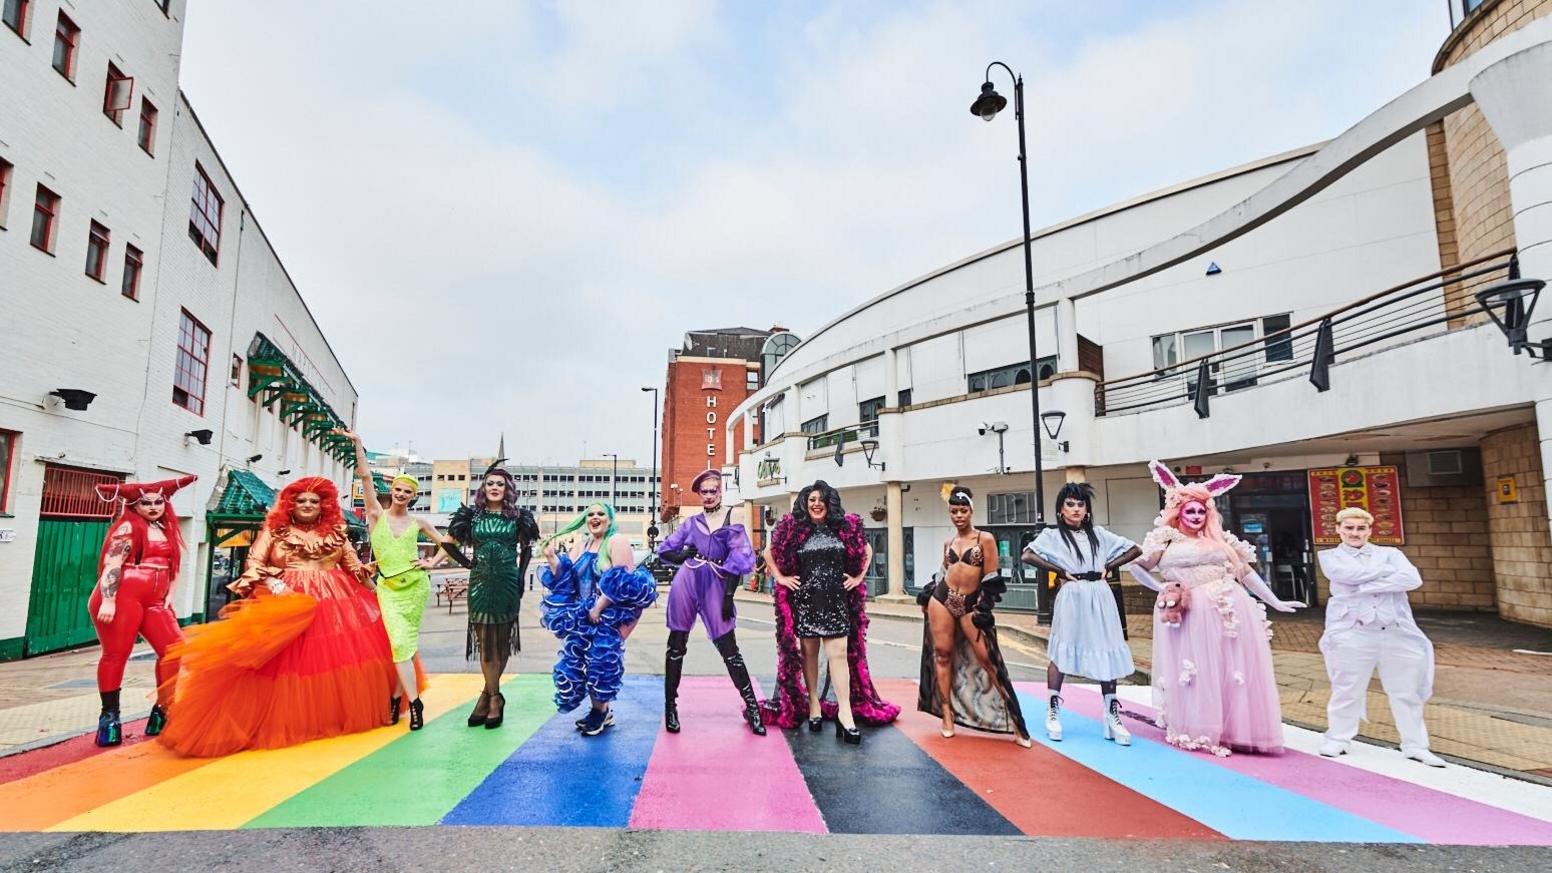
[64, 571]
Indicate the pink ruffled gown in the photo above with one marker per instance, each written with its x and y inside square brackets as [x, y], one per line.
[1213, 683]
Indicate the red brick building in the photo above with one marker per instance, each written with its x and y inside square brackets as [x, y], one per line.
[708, 376]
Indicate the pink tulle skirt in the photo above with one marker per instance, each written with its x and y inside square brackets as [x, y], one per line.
[1213, 683]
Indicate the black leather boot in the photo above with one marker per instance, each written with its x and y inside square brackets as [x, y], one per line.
[157, 722]
[673, 669]
[110, 731]
[417, 714]
[727, 646]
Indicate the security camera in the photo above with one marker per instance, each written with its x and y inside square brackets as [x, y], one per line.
[982, 429]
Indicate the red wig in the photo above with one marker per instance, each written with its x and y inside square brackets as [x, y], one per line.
[329, 515]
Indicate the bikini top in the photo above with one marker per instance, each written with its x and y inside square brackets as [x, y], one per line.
[972, 556]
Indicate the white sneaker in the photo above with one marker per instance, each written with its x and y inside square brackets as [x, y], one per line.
[1332, 749]
[1423, 756]
[1053, 718]
[1114, 729]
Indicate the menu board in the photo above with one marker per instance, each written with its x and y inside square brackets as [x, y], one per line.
[1376, 489]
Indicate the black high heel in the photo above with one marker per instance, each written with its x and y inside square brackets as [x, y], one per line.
[393, 709]
[849, 735]
[494, 721]
[481, 710]
[756, 721]
[417, 714]
[815, 725]
[671, 718]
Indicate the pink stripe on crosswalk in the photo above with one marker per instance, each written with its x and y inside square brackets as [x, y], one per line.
[1435, 816]
[716, 775]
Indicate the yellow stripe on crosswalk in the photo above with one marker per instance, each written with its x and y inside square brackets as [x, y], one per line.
[228, 792]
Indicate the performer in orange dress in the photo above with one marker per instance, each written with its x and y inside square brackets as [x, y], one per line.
[304, 657]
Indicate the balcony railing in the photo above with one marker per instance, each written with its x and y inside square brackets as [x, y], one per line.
[1419, 309]
[841, 435]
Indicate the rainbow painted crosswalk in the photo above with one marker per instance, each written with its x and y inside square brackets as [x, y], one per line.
[537, 771]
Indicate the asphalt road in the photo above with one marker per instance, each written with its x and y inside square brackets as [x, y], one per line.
[894, 652]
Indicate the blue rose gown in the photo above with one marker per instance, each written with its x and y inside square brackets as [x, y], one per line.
[592, 656]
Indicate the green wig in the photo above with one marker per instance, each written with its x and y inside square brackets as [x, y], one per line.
[579, 523]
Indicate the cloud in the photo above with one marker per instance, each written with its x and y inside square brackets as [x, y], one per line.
[553, 194]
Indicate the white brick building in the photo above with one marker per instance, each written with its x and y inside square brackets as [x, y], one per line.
[166, 355]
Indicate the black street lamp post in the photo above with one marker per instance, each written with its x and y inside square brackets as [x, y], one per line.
[652, 522]
[986, 107]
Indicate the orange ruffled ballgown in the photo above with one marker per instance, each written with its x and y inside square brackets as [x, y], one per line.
[285, 668]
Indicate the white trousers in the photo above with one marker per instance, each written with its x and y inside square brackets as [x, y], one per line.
[1351, 656]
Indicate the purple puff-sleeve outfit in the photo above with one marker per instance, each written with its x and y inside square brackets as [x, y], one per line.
[700, 586]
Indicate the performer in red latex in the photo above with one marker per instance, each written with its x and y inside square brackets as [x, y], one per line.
[133, 597]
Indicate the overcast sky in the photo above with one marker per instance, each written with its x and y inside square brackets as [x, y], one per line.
[528, 204]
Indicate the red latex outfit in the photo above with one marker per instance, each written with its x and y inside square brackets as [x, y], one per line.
[142, 610]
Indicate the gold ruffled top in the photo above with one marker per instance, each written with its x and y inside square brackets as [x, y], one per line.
[296, 548]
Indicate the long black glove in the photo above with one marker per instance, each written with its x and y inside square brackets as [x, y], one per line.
[680, 555]
[729, 585]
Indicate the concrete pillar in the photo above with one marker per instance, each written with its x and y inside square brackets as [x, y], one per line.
[1066, 336]
[894, 506]
[1514, 96]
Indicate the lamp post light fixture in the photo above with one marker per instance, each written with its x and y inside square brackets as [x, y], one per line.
[652, 483]
[1510, 304]
[1053, 427]
[74, 398]
[869, 448]
[203, 436]
[614, 473]
[986, 107]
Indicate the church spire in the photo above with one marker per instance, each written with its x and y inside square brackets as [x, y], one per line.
[501, 446]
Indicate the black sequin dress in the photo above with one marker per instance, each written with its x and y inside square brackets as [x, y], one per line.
[820, 600]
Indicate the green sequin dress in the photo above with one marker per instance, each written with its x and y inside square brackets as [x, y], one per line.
[495, 581]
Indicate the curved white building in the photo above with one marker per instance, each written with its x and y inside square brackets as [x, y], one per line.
[1367, 249]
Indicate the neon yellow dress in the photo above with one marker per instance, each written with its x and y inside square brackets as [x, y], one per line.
[402, 587]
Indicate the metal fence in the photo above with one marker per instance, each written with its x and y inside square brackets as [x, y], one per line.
[1425, 307]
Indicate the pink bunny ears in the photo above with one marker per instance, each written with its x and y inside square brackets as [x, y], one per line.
[1165, 477]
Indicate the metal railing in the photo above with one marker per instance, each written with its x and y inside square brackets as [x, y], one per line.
[1428, 306]
[849, 433]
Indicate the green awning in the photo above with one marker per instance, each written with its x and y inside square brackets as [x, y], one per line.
[274, 379]
[244, 501]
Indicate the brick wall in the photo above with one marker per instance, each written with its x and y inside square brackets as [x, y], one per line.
[1522, 556]
[1476, 185]
[1447, 539]
[691, 443]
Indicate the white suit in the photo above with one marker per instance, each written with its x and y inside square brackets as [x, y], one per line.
[1369, 623]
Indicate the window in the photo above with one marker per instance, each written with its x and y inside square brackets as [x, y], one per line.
[904, 398]
[7, 448]
[66, 38]
[1238, 370]
[117, 94]
[97, 251]
[188, 379]
[237, 365]
[45, 214]
[205, 215]
[1011, 508]
[134, 263]
[867, 414]
[816, 425]
[1278, 348]
[147, 137]
[1165, 353]
[14, 14]
[5, 190]
[1013, 374]
[752, 379]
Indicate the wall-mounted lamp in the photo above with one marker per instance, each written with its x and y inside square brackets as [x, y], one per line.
[1052, 422]
[869, 448]
[282, 472]
[256, 458]
[74, 398]
[1510, 304]
[203, 436]
[1352, 461]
